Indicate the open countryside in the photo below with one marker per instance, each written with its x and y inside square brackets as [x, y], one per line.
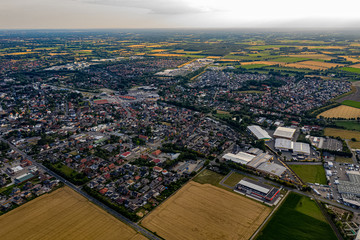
[341, 112]
[203, 211]
[63, 214]
[298, 218]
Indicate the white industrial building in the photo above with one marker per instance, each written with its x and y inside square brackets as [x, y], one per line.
[272, 168]
[298, 148]
[301, 148]
[241, 157]
[259, 133]
[284, 132]
[283, 144]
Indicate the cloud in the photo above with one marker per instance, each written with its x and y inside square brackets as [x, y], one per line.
[163, 7]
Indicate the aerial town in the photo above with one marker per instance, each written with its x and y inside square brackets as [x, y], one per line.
[154, 133]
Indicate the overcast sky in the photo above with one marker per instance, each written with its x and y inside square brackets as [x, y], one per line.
[25, 14]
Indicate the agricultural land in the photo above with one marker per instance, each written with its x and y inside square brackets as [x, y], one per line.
[202, 211]
[63, 214]
[345, 112]
[297, 219]
[344, 134]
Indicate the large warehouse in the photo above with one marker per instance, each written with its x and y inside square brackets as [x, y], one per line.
[283, 144]
[257, 189]
[284, 132]
[301, 148]
[350, 190]
[298, 148]
[259, 133]
[272, 168]
[241, 157]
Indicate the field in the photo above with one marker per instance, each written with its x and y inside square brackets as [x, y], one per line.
[341, 112]
[314, 65]
[210, 177]
[344, 134]
[202, 211]
[310, 173]
[343, 159]
[351, 69]
[233, 179]
[297, 219]
[356, 65]
[355, 145]
[351, 103]
[349, 125]
[63, 214]
[312, 56]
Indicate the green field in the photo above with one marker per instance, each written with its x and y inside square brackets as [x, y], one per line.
[298, 218]
[209, 177]
[310, 173]
[290, 59]
[350, 125]
[351, 103]
[253, 66]
[233, 179]
[351, 69]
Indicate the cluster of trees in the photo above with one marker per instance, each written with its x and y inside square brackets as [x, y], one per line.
[67, 173]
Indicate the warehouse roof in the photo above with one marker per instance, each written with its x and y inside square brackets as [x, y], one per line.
[255, 185]
[259, 159]
[258, 132]
[352, 186]
[300, 147]
[272, 168]
[240, 157]
[282, 143]
[284, 132]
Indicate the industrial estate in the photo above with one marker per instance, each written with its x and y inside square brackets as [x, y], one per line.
[179, 135]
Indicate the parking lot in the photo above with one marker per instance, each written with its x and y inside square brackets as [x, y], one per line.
[338, 172]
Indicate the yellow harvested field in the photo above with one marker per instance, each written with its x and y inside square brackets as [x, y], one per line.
[213, 57]
[63, 214]
[344, 134]
[355, 145]
[351, 59]
[326, 47]
[314, 65]
[262, 62]
[312, 56]
[341, 112]
[17, 53]
[166, 55]
[202, 211]
[159, 50]
[355, 65]
[137, 46]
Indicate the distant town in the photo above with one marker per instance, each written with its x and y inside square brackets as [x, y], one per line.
[134, 126]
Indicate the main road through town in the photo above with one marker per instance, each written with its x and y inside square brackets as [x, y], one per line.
[138, 228]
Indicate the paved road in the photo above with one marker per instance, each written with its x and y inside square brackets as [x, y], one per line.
[90, 198]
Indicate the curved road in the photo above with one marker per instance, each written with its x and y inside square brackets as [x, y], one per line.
[138, 228]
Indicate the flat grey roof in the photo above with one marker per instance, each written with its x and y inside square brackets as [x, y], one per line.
[255, 185]
[272, 168]
[259, 132]
[284, 132]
